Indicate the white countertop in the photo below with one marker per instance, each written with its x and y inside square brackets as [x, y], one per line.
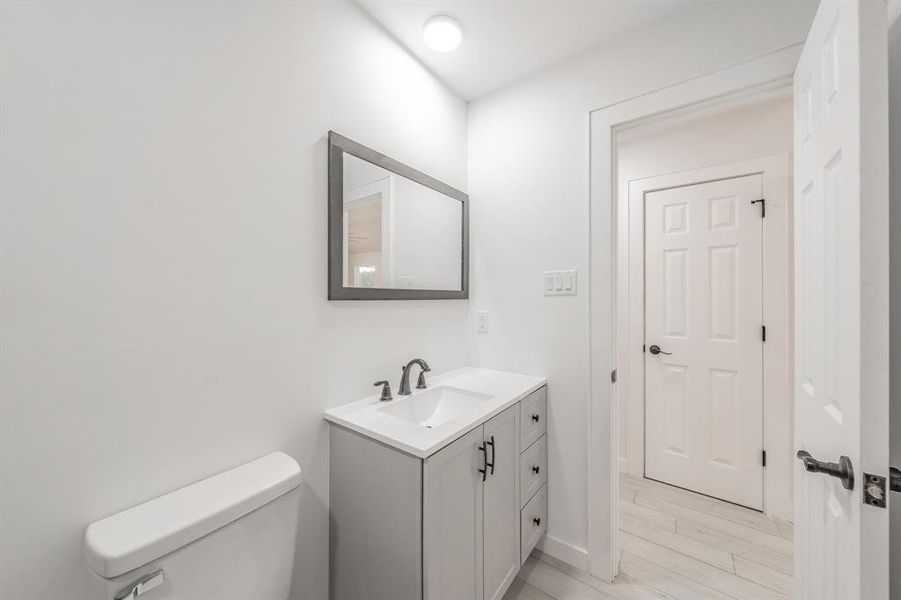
[366, 417]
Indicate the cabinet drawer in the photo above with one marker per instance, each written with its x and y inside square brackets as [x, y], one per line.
[532, 469]
[533, 523]
[532, 417]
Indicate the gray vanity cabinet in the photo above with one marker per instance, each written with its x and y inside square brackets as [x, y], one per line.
[450, 525]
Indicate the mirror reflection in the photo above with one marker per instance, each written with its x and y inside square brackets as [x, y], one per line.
[398, 233]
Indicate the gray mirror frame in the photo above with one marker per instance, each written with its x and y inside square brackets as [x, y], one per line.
[338, 145]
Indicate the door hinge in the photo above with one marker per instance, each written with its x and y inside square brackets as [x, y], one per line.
[763, 332]
[763, 458]
[762, 202]
[613, 376]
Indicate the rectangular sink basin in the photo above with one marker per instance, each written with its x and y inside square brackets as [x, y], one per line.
[435, 406]
[428, 420]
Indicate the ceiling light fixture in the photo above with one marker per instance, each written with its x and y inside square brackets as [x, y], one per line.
[442, 34]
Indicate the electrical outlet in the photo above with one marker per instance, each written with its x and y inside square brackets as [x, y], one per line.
[481, 321]
[560, 283]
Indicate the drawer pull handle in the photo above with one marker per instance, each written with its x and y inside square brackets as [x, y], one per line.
[536, 470]
[537, 521]
[535, 418]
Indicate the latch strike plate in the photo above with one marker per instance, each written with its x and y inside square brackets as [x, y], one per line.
[874, 490]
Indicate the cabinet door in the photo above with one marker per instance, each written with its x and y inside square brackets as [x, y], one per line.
[501, 503]
[452, 520]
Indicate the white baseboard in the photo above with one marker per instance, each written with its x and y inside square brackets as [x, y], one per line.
[572, 555]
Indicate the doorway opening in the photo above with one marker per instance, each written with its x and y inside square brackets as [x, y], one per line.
[841, 276]
[704, 347]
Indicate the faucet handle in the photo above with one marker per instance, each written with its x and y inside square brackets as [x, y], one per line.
[386, 390]
[420, 383]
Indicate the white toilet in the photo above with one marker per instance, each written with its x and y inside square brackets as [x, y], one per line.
[229, 537]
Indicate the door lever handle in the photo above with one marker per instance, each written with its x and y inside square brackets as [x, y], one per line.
[841, 470]
[655, 349]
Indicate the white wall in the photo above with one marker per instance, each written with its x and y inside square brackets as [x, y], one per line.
[164, 306]
[427, 232]
[358, 173]
[709, 137]
[528, 181]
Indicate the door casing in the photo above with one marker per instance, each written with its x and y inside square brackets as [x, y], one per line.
[756, 75]
[759, 73]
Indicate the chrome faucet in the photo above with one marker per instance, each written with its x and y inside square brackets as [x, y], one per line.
[404, 389]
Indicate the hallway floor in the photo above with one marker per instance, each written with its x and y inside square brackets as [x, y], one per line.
[676, 544]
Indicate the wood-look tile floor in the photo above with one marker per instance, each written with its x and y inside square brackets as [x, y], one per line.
[679, 545]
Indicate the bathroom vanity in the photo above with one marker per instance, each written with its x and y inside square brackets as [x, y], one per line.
[439, 494]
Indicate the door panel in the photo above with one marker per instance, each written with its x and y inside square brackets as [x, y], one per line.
[501, 519]
[841, 291]
[452, 520]
[703, 304]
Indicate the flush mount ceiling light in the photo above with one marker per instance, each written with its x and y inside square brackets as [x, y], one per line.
[442, 34]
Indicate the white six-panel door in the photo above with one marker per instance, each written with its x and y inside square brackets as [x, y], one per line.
[703, 305]
[841, 290]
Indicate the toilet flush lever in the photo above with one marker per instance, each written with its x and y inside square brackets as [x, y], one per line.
[144, 584]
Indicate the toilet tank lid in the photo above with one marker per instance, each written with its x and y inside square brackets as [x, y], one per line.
[139, 535]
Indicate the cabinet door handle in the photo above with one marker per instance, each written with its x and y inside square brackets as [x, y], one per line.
[536, 470]
[490, 465]
[484, 471]
[535, 418]
[537, 521]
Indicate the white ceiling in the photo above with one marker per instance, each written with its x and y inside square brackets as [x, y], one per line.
[504, 40]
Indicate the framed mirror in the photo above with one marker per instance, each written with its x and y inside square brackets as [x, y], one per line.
[394, 233]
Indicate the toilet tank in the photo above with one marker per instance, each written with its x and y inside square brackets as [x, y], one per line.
[228, 537]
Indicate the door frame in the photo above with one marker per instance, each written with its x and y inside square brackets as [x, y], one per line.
[384, 189]
[768, 71]
[775, 171]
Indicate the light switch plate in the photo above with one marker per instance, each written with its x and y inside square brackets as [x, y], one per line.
[481, 321]
[560, 283]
